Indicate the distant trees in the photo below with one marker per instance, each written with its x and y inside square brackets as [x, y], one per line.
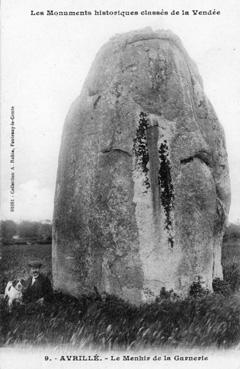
[26, 231]
[45, 231]
[232, 232]
[8, 230]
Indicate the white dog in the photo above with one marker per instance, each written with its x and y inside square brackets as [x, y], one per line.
[14, 292]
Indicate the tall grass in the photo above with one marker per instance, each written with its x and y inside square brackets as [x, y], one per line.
[112, 323]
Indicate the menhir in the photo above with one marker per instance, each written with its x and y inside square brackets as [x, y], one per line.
[142, 191]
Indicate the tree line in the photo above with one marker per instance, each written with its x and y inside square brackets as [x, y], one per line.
[232, 232]
[12, 232]
[25, 231]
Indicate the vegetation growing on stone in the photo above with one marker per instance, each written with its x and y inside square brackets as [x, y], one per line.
[167, 192]
[140, 147]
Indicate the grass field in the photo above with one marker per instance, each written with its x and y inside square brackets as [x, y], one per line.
[231, 252]
[91, 322]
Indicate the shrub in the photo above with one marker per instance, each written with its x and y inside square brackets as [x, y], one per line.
[164, 294]
[231, 275]
[221, 287]
[197, 289]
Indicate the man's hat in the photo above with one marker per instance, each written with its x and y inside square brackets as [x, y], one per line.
[35, 263]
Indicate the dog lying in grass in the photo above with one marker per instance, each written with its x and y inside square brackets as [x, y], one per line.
[14, 292]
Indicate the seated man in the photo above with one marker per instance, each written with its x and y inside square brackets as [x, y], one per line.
[38, 286]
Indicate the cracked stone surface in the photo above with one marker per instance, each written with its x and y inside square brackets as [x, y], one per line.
[142, 191]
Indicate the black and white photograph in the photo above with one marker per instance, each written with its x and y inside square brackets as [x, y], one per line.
[120, 184]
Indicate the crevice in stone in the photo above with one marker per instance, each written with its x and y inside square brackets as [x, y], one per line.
[96, 102]
[130, 66]
[203, 156]
[108, 150]
[152, 142]
[142, 38]
[220, 215]
[187, 160]
[155, 164]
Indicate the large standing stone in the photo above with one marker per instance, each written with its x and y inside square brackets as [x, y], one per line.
[142, 188]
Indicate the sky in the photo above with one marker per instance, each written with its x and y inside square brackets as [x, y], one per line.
[45, 60]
